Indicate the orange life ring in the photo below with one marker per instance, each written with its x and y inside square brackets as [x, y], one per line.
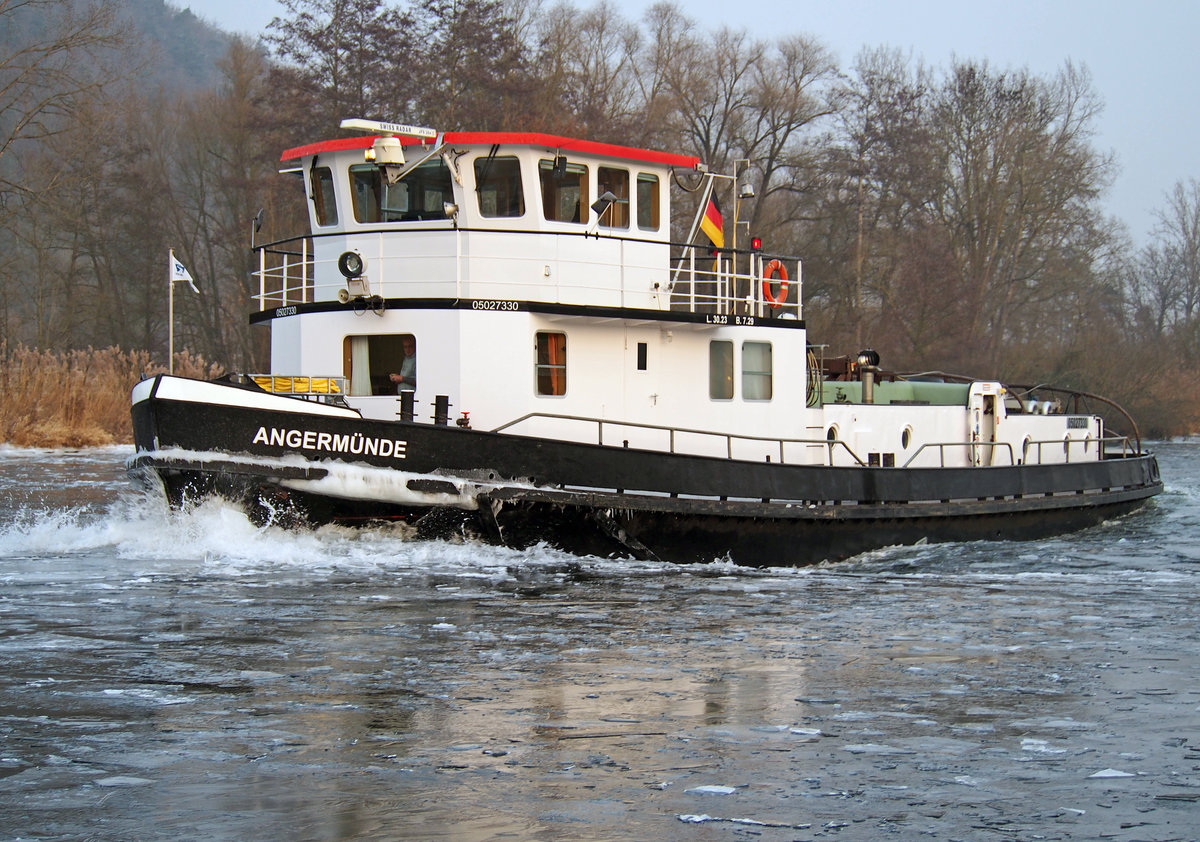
[775, 267]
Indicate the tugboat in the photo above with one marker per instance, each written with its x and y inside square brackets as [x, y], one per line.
[493, 335]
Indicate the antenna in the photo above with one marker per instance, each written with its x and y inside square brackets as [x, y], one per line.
[375, 127]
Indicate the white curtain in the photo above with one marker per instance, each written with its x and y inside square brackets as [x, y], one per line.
[360, 366]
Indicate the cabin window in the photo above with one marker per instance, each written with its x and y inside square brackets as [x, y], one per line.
[647, 201]
[380, 365]
[641, 356]
[498, 185]
[615, 181]
[324, 203]
[420, 194]
[756, 371]
[551, 363]
[720, 370]
[564, 189]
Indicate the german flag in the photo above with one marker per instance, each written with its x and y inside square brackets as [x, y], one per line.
[712, 224]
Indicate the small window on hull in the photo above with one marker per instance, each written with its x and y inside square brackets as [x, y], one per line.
[720, 370]
[550, 365]
[756, 371]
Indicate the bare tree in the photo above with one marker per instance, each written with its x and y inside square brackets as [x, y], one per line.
[1178, 233]
[669, 41]
[470, 65]
[218, 173]
[586, 59]
[789, 93]
[1163, 283]
[54, 54]
[345, 56]
[1020, 189]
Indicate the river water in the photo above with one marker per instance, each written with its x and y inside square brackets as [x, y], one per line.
[169, 675]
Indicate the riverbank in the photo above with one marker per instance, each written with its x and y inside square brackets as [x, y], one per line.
[81, 398]
[76, 398]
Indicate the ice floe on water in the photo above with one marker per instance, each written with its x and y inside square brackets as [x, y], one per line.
[711, 789]
[1112, 773]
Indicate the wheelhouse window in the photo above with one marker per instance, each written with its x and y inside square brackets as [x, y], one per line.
[756, 371]
[720, 370]
[612, 180]
[324, 203]
[564, 189]
[419, 194]
[380, 364]
[498, 185]
[551, 363]
[647, 201]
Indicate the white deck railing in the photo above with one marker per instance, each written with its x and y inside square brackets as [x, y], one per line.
[486, 265]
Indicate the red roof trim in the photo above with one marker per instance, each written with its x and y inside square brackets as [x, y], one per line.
[547, 141]
[339, 145]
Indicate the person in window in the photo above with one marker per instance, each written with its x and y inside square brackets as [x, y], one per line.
[405, 380]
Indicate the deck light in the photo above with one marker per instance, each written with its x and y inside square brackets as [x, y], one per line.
[351, 264]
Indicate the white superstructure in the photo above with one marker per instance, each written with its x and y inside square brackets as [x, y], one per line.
[536, 279]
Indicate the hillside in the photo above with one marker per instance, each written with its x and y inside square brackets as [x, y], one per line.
[185, 48]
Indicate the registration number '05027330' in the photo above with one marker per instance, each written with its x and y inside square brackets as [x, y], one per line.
[495, 305]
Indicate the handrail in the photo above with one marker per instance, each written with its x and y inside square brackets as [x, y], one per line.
[941, 446]
[1074, 393]
[725, 292]
[828, 444]
[1068, 443]
[729, 437]
[1077, 394]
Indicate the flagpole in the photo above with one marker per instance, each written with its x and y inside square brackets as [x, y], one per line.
[171, 311]
[708, 184]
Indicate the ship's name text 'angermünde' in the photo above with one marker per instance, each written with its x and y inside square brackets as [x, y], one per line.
[355, 444]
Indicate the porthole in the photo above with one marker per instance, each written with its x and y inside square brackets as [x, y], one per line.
[906, 438]
[832, 434]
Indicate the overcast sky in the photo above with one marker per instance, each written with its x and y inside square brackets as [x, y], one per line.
[1142, 56]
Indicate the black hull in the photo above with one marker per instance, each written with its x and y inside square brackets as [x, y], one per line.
[604, 500]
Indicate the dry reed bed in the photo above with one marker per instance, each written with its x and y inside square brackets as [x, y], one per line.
[76, 398]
